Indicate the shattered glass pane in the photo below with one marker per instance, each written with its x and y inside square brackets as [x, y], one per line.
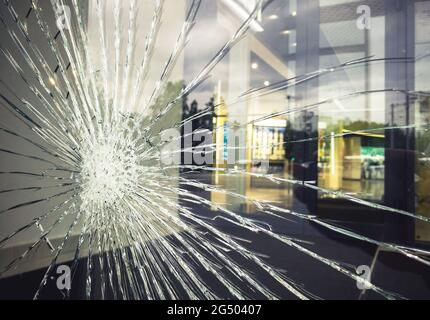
[200, 149]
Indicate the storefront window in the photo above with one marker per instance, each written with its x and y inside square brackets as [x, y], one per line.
[217, 149]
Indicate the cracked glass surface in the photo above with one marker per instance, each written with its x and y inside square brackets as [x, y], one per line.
[205, 149]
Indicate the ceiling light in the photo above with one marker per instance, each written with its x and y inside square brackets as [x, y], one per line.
[239, 10]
